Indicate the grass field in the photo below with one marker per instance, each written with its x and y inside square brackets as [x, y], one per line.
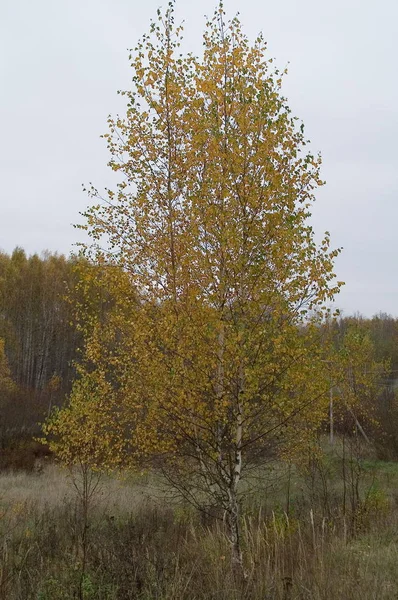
[302, 539]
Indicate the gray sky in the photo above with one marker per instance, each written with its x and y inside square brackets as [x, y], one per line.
[62, 61]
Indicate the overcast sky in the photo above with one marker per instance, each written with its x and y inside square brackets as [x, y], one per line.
[62, 61]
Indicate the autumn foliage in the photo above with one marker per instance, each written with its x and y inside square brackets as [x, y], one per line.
[210, 356]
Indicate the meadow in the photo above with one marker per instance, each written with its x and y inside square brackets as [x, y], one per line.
[308, 535]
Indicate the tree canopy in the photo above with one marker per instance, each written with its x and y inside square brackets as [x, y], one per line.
[210, 356]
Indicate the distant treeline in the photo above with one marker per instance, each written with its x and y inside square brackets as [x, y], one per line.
[39, 337]
[383, 332]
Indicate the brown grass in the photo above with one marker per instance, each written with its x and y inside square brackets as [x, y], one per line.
[140, 548]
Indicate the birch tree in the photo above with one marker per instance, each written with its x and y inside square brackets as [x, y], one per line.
[226, 285]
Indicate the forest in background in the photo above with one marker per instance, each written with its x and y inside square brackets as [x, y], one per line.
[38, 339]
[39, 344]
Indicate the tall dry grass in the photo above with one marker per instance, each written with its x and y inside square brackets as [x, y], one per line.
[140, 548]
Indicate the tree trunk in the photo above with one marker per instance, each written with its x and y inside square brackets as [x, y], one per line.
[233, 521]
[233, 508]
